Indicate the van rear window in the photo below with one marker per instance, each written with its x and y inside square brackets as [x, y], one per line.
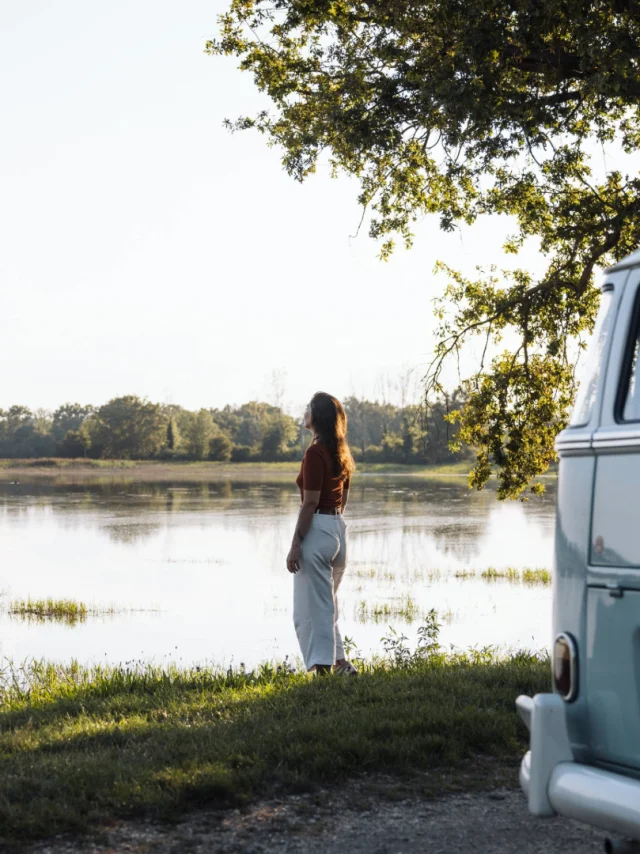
[589, 373]
[629, 399]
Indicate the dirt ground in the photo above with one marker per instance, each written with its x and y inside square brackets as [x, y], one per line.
[351, 820]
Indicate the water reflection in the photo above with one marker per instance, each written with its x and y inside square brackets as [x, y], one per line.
[210, 558]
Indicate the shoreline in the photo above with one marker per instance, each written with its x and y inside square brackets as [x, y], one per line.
[155, 470]
[148, 470]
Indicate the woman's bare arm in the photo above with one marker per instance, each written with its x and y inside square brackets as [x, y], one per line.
[345, 498]
[310, 501]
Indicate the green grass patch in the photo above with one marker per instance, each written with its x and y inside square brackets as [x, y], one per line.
[364, 573]
[161, 470]
[532, 577]
[64, 463]
[454, 468]
[406, 609]
[64, 610]
[67, 611]
[83, 746]
[517, 576]
[536, 576]
[379, 574]
[492, 574]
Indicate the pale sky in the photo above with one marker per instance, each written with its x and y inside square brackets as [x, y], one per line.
[146, 250]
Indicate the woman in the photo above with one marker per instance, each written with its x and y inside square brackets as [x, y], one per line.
[318, 553]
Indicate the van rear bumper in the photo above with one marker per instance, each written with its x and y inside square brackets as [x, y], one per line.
[555, 784]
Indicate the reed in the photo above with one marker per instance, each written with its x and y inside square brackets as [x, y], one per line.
[406, 609]
[448, 616]
[364, 573]
[62, 610]
[537, 576]
[379, 574]
[530, 577]
[66, 610]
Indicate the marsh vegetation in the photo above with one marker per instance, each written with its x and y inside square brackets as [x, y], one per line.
[67, 611]
[404, 609]
[181, 557]
[511, 574]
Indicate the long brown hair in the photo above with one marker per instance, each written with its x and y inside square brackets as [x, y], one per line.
[329, 420]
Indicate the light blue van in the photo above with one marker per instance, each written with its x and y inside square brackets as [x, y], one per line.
[584, 760]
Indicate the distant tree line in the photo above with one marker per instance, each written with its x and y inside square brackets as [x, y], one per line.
[131, 428]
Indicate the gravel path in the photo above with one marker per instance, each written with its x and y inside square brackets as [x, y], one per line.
[353, 821]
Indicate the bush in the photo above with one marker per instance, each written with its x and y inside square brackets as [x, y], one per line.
[374, 454]
[220, 448]
[166, 455]
[291, 455]
[393, 448]
[241, 454]
[73, 445]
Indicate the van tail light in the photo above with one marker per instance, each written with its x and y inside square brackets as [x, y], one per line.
[565, 667]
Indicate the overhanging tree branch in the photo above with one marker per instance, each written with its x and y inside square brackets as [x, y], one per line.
[459, 110]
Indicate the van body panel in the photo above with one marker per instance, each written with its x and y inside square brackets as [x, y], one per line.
[616, 441]
[613, 676]
[615, 535]
[609, 578]
[632, 260]
[573, 512]
[612, 665]
[576, 476]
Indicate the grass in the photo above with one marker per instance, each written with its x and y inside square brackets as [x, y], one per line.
[532, 577]
[67, 611]
[448, 616]
[493, 574]
[81, 747]
[158, 470]
[381, 575]
[364, 573]
[536, 576]
[406, 609]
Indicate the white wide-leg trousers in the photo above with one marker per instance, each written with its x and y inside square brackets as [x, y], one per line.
[315, 587]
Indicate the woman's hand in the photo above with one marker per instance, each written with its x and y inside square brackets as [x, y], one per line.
[293, 558]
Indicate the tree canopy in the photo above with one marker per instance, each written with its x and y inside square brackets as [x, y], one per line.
[461, 108]
[130, 428]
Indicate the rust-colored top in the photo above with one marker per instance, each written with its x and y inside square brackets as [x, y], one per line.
[316, 473]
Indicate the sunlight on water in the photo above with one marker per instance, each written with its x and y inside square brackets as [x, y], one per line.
[196, 572]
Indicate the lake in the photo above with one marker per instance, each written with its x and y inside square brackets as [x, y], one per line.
[196, 572]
